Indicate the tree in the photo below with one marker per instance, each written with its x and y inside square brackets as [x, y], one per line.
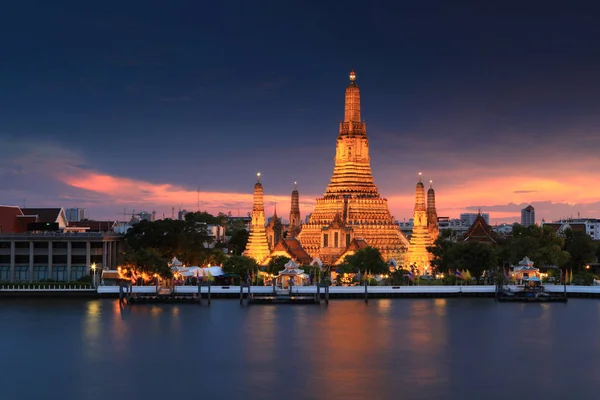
[240, 265]
[541, 244]
[581, 248]
[368, 259]
[148, 260]
[238, 241]
[476, 257]
[441, 251]
[277, 264]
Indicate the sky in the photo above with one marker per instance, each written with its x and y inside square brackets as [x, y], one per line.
[118, 106]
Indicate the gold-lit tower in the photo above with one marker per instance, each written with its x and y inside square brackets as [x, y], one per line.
[418, 257]
[294, 227]
[257, 246]
[432, 218]
[351, 207]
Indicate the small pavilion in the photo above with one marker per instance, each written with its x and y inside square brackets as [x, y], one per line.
[291, 275]
[525, 271]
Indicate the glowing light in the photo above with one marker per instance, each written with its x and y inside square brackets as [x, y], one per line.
[352, 76]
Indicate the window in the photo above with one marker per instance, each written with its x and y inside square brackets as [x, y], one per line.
[78, 259]
[325, 240]
[336, 238]
[59, 274]
[22, 259]
[4, 274]
[59, 259]
[59, 245]
[21, 245]
[4, 259]
[78, 272]
[40, 259]
[96, 245]
[40, 245]
[40, 273]
[21, 274]
[78, 245]
[4, 245]
[347, 239]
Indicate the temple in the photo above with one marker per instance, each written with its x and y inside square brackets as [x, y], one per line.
[294, 227]
[432, 218]
[274, 230]
[418, 258]
[257, 246]
[351, 207]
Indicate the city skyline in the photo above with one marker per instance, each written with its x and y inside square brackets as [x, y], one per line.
[143, 108]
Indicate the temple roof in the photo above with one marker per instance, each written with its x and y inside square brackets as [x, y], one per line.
[480, 231]
[293, 247]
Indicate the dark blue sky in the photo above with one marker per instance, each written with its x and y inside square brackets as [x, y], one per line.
[194, 93]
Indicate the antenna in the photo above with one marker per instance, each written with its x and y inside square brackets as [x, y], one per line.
[172, 212]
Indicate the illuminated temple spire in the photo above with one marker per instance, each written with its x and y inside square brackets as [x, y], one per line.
[352, 168]
[351, 213]
[432, 218]
[418, 257]
[294, 227]
[257, 246]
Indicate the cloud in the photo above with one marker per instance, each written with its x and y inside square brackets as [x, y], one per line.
[524, 191]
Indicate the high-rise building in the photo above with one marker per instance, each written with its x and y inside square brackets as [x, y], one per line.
[351, 207]
[418, 258]
[257, 246]
[528, 216]
[75, 214]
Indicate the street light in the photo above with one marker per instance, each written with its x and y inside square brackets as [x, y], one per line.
[94, 272]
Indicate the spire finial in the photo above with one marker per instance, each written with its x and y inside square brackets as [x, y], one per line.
[420, 176]
[295, 187]
[352, 76]
[258, 176]
[431, 184]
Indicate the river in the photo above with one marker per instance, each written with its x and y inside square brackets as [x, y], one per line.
[387, 349]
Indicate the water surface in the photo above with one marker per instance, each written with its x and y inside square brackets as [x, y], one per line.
[388, 349]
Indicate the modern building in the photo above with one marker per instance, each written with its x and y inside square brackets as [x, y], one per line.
[591, 226]
[468, 219]
[75, 214]
[33, 248]
[528, 216]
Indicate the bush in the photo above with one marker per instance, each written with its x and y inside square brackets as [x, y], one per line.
[584, 278]
[373, 282]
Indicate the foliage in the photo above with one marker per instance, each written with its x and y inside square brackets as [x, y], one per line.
[440, 250]
[148, 260]
[277, 264]
[187, 240]
[367, 259]
[238, 240]
[581, 247]
[476, 257]
[541, 244]
[240, 265]
[583, 278]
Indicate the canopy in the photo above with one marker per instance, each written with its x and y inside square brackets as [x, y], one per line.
[533, 279]
[195, 271]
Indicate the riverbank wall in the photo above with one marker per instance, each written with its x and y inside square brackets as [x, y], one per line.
[335, 292]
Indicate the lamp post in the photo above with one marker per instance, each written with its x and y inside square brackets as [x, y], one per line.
[94, 273]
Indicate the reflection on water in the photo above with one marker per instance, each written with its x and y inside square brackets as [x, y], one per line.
[388, 349]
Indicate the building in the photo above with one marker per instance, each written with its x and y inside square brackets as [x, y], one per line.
[75, 214]
[351, 207]
[468, 219]
[33, 248]
[591, 226]
[417, 257]
[274, 230]
[432, 217]
[294, 227]
[528, 216]
[181, 214]
[480, 231]
[258, 246]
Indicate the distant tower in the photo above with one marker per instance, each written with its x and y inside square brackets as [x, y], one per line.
[274, 230]
[418, 257]
[432, 218]
[528, 216]
[294, 227]
[257, 246]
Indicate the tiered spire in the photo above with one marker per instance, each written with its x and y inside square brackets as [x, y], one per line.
[257, 246]
[351, 207]
[418, 257]
[432, 218]
[294, 227]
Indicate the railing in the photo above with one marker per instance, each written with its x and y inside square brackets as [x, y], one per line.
[48, 287]
[60, 234]
[432, 289]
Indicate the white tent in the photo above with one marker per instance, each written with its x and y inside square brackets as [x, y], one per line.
[195, 271]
